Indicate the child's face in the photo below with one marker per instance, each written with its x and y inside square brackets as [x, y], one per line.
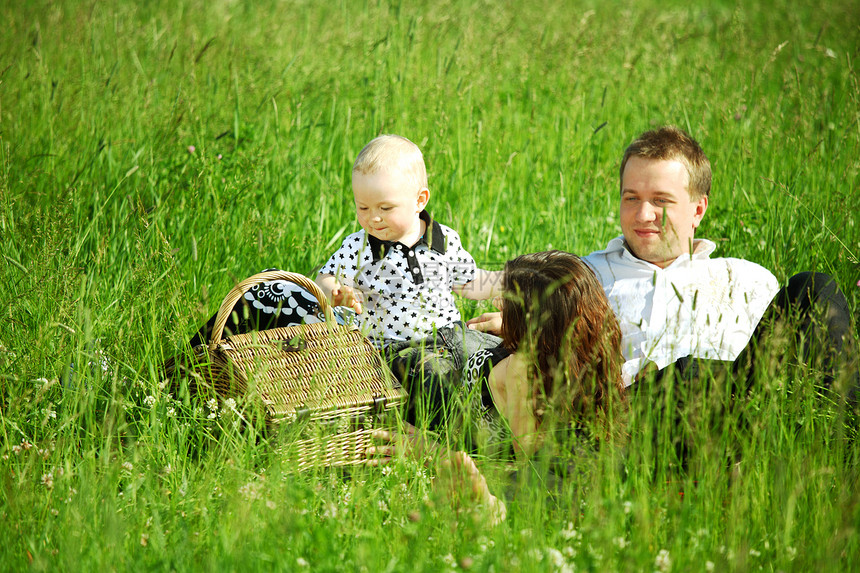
[387, 205]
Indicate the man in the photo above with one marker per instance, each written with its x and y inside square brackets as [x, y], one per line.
[677, 306]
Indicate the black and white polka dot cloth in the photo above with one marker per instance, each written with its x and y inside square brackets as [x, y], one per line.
[407, 288]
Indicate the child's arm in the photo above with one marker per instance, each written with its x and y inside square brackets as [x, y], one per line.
[486, 285]
[338, 294]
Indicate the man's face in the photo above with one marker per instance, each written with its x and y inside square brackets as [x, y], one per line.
[387, 205]
[658, 218]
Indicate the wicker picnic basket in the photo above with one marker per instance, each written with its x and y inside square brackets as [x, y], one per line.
[324, 384]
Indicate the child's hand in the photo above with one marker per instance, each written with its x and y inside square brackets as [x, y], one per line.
[347, 296]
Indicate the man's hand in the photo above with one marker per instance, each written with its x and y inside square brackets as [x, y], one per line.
[488, 322]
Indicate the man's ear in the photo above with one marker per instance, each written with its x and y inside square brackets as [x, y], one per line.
[701, 206]
[423, 198]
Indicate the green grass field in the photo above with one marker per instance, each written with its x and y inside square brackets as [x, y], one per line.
[154, 153]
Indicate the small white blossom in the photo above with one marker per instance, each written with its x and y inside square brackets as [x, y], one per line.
[230, 404]
[301, 562]
[555, 557]
[754, 553]
[127, 466]
[150, 401]
[212, 405]
[570, 533]
[620, 542]
[791, 552]
[171, 412]
[663, 562]
[628, 506]
[48, 480]
[709, 565]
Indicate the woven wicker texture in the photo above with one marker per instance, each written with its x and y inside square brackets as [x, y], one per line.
[325, 380]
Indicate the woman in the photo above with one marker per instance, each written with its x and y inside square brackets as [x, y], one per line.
[556, 377]
[559, 367]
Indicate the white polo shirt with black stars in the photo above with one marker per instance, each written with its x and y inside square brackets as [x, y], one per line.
[407, 289]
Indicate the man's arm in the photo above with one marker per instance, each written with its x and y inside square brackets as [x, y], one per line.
[485, 285]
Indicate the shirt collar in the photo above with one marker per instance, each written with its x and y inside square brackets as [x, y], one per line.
[433, 238]
[702, 249]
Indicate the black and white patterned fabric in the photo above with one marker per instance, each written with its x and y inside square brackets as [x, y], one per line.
[407, 289]
[489, 431]
[272, 304]
[297, 305]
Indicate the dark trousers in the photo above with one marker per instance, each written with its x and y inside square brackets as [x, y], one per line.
[432, 370]
[808, 324]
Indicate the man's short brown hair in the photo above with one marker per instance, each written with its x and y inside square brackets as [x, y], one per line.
[672, 144]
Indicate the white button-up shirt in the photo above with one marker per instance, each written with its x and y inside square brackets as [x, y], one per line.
[697, 306]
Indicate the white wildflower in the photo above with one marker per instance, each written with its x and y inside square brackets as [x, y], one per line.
[212, 405]
[55, 512]
[663, 562]
[570, 533]
[620, 542]
[16, 449]
[48, 480]
[127, 466]
[709, 566]
[171, 412]
[387, 470]
[230, 404]
[755, 553]
[301, 562]
[628, 506]
[150, 401]
[449, 561]
[555, 557]
[250, 491]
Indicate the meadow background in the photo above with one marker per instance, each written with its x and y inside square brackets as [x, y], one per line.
[154, 153]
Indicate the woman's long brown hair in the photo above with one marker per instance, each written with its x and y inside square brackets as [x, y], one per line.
[557, 314]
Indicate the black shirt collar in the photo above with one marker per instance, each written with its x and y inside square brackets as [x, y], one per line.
[433, 238]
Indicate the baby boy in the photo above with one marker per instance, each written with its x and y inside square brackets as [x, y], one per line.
[399, 274]
[400, 270]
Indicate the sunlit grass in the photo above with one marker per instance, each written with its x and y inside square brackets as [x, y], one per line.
[152, 154]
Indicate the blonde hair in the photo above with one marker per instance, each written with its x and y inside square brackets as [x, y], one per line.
[392, 153]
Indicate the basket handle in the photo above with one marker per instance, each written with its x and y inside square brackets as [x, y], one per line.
[240, 289]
